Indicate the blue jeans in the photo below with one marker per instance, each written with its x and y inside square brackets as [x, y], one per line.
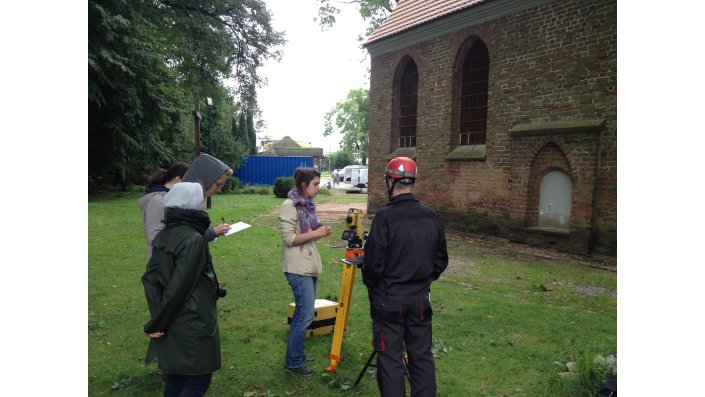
[304, 289]
[186, 385]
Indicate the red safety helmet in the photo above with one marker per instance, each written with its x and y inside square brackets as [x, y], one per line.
[400, 168]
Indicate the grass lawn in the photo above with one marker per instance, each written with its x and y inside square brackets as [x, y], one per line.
[501, 325]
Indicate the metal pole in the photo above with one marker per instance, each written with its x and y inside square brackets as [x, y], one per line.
[210, 148]
[197, 123]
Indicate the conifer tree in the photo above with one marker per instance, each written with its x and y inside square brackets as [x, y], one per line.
[252, 134]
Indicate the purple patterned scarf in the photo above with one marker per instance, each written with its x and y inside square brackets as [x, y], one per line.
[305, 209]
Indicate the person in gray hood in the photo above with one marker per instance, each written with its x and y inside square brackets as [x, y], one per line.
[212, 174]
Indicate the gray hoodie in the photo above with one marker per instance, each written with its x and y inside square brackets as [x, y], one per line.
[152, 205]
[205, 169]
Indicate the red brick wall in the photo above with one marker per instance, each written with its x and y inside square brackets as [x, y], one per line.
[550, 63]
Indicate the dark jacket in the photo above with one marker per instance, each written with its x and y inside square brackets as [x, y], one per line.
[405, 250]
[181, 294]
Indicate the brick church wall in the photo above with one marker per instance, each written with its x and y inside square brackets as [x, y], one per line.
[548, 64]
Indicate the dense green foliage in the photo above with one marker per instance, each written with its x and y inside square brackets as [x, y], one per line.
[282, 186]
[341, 158]
[240, 130]
[350, 117]
[150, 61]
[496, 331]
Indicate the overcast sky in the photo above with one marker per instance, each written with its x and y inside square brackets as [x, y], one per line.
[317, 69]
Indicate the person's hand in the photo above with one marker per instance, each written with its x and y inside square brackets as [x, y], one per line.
[221, 228]
[156, 335]
[325, 231]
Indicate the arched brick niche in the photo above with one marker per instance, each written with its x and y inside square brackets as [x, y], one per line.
[570, 147]
[549, 159]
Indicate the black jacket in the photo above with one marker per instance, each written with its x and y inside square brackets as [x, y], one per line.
[405, 250]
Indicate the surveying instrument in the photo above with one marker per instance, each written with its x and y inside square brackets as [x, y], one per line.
[354, 257]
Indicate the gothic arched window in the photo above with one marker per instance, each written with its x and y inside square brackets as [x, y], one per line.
[473, 97]
[408, 98]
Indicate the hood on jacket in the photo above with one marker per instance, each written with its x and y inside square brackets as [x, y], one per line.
[205, 169]
[186, 195]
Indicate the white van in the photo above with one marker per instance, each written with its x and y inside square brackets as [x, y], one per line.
[348, 173]
[359, 178]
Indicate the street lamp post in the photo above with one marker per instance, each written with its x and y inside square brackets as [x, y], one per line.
[209, 105]
[197, 125]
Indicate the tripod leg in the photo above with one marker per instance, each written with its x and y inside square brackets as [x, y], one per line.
[367, 365]
[344, 302]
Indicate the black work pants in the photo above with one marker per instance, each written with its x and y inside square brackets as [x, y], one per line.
[403, 324]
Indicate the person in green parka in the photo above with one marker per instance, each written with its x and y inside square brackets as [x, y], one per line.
[182, 289]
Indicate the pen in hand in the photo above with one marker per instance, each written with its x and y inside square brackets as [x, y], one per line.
[222, 228]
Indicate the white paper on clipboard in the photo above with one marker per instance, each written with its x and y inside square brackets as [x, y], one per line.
[236, 228]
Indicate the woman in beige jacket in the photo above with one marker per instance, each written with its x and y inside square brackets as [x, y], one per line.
[301, 262]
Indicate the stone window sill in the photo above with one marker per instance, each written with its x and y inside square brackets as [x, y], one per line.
[409, 152]
[468, 152]
[562, 127]
[548, 230]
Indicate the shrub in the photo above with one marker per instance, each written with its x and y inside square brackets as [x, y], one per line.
[232, 185]
[282, 186]
[261, 190]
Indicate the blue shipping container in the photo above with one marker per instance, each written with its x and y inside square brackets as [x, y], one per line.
[264, 170]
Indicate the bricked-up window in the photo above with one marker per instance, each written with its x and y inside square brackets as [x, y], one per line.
[473, 114]
[556, 199]
[408, 94]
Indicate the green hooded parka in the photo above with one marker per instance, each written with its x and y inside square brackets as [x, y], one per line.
[180, 286]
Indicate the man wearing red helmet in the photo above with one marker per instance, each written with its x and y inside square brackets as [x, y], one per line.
[405, 251]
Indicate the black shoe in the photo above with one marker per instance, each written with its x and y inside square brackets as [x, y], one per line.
[309, 358]
[302, 370]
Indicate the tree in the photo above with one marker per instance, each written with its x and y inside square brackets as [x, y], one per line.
[351, 119]
[213, 40]
[216, 136]
[243, 133]
[224, 146]
[341, 158]
[374, 12]
[235, 128]
[148, 61]
[133, 107]
[252, 135]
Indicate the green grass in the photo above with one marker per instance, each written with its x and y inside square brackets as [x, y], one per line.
[497, 332]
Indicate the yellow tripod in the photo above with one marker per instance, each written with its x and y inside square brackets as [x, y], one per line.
[354, 255]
